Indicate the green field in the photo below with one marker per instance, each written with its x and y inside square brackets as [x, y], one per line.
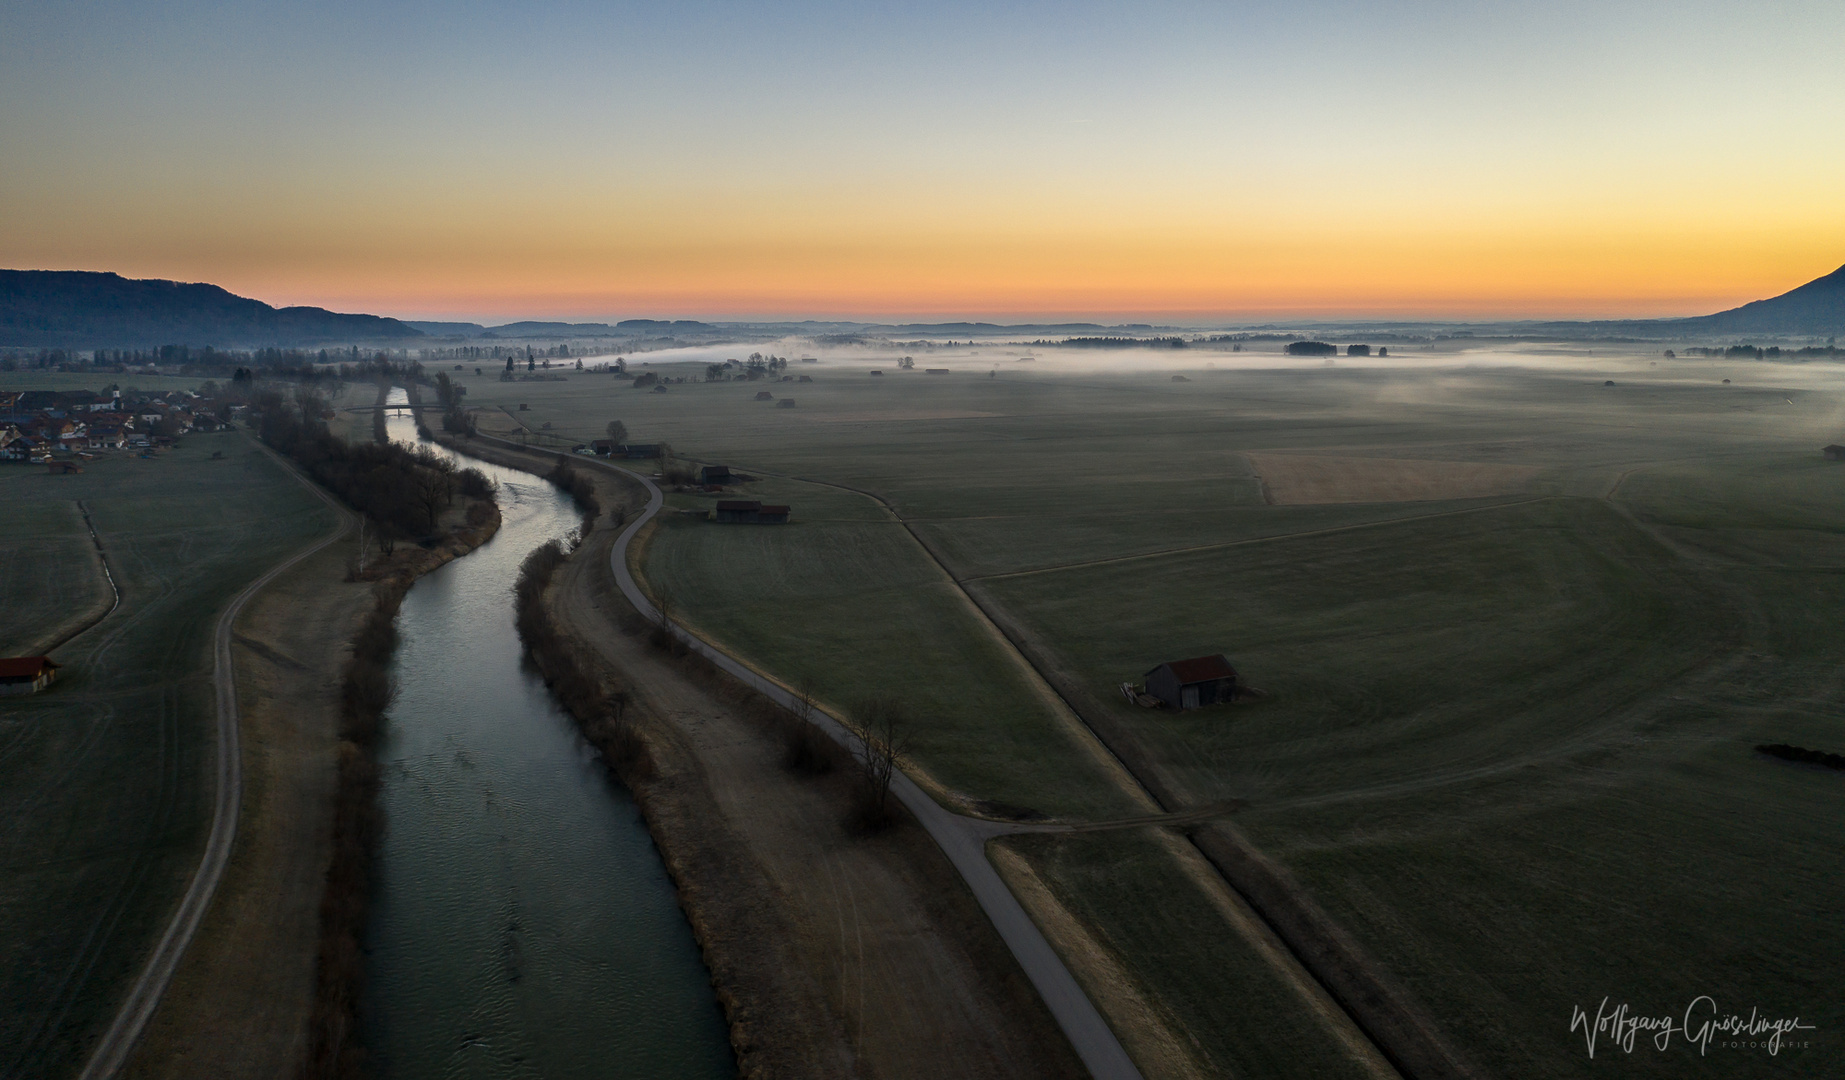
[104, 782]
[843, 596]
[1507, 742]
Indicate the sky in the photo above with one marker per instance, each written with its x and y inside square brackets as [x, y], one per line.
[1172, 161]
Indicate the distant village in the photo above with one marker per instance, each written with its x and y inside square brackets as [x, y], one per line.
[43, 426]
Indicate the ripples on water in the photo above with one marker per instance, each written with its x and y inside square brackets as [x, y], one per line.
[522, 924]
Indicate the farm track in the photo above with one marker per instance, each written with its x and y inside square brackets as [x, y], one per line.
[961, 838]
[144, 995]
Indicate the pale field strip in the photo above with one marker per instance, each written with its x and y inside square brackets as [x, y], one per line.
[1313, 479]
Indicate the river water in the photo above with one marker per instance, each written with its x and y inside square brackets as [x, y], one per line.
[522, 923]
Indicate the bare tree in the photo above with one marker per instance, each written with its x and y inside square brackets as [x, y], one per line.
[434, 491]
[883, 731]
[617, 433]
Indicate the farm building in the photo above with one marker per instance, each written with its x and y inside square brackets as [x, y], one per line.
[935, 371]
[637, 450]
[714, 474]
[785, 403]
[764, 395]
[59, 468]
[1835, 452]
[1194, 683]
[26, 674]
[602, 447]
[749, 512]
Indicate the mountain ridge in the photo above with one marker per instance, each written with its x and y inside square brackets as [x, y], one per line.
[98, 309]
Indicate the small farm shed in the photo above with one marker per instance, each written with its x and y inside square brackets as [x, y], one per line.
[1194, 683]
[750, 512]
[602, 447]
[638, 450]
[714, 474]
[58, 467]
[936, 371]
[26, 674]
[764, 395]
[1835, 452]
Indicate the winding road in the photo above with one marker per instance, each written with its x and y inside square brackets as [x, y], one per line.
[144, 996]
[962, 839]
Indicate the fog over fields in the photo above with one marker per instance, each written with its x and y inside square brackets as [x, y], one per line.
[1521, 613]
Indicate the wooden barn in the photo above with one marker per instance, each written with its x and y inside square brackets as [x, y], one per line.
[26, 674]
[714, 474]
[1194, 683]
[749, 512]
[1835, 452]
[764, 395]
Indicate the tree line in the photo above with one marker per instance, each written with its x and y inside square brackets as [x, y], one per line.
[404, 490]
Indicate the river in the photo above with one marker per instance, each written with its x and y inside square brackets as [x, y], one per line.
[522, 924]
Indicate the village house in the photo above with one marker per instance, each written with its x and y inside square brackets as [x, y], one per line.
[108, 437]
[1194, 683]
[26, 674]
[19, 448]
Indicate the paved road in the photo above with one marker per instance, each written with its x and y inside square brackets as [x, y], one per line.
[963, 839]
[144, 997]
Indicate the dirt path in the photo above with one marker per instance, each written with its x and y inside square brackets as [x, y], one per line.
[145, 994]
[239, 1003]
[845, 955]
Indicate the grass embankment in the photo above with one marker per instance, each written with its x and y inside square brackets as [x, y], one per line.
[570, 674]
[105, 780]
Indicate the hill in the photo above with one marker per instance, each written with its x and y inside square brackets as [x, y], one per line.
[77, 309]
[1816, 308]
[532, 329]
[446, 329]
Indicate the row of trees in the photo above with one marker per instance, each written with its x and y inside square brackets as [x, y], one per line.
[403, 490]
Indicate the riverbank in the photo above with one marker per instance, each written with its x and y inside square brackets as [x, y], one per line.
[241, 1001]
[833, 953]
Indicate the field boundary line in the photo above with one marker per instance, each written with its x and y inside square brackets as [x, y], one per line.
[102, 557]
[124, 1033]
[1260, 539]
